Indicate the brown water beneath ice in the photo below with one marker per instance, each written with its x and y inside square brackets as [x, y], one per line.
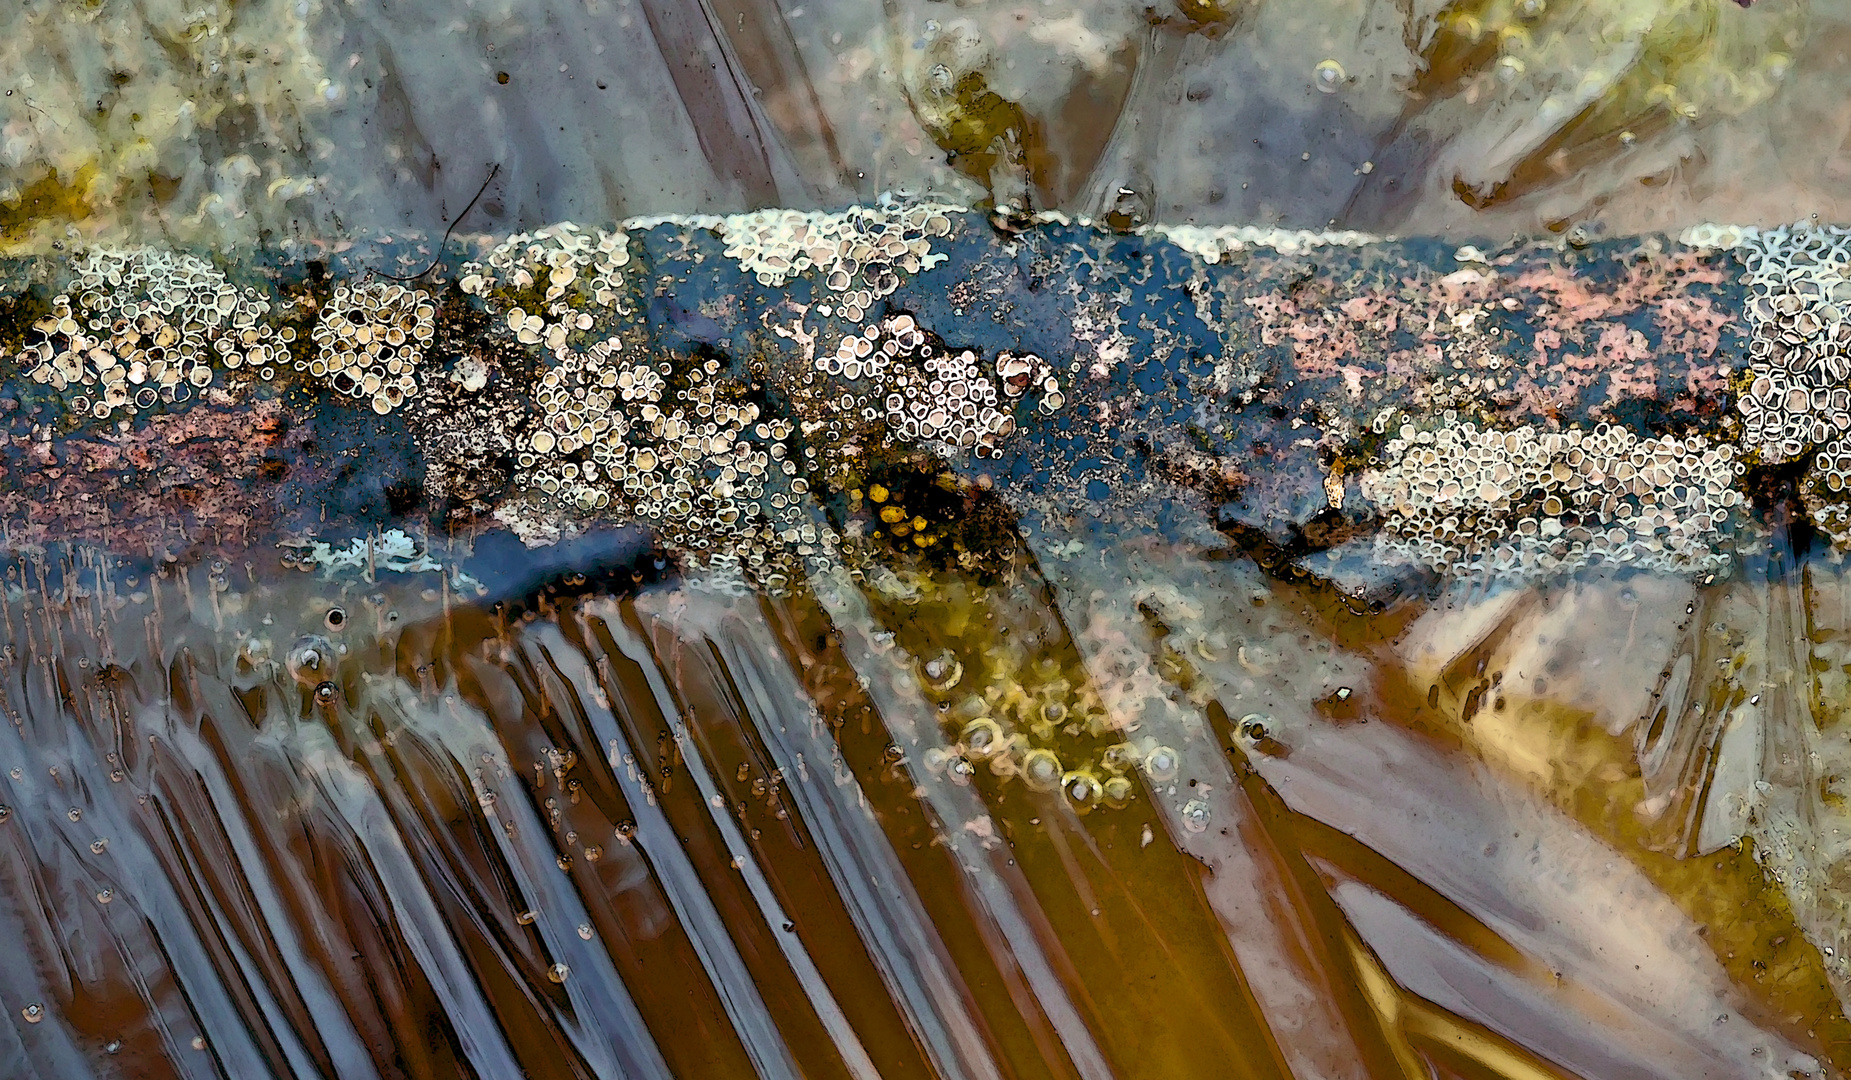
[269, 825]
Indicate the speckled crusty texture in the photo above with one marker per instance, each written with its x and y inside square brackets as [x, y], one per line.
[735, 384]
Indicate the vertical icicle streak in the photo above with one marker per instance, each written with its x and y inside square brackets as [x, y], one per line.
[603, 1022]
[788, 722]
[892, 924]
[551, 653]
[707, 930]
[426, 932]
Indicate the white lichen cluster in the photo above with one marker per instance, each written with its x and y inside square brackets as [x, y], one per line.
[631, 438]
[1710, 234]
[894, 371]
[1798, 398]
[1462, 499]
[1799, 363]
[370, 340]
[859, 253]
[674, 443]
[1213, 243]
[1020, 371]
[558, 272]
[140, 327]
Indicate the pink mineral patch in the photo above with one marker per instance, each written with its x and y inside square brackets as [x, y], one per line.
[1581, 332]
[181, 479]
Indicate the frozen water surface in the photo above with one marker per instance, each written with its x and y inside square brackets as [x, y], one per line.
[1223, 538]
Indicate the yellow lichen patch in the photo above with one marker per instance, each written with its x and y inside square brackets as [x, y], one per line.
[913, 515]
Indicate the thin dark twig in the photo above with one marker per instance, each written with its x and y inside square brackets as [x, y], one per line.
[454, 222]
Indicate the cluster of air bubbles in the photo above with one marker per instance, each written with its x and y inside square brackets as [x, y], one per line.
[1329, 76]
[370, 340]
[1463, 500]
[1028, 750]
[679, 448]
[860, 252]
[928, 394]
[140, 327]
